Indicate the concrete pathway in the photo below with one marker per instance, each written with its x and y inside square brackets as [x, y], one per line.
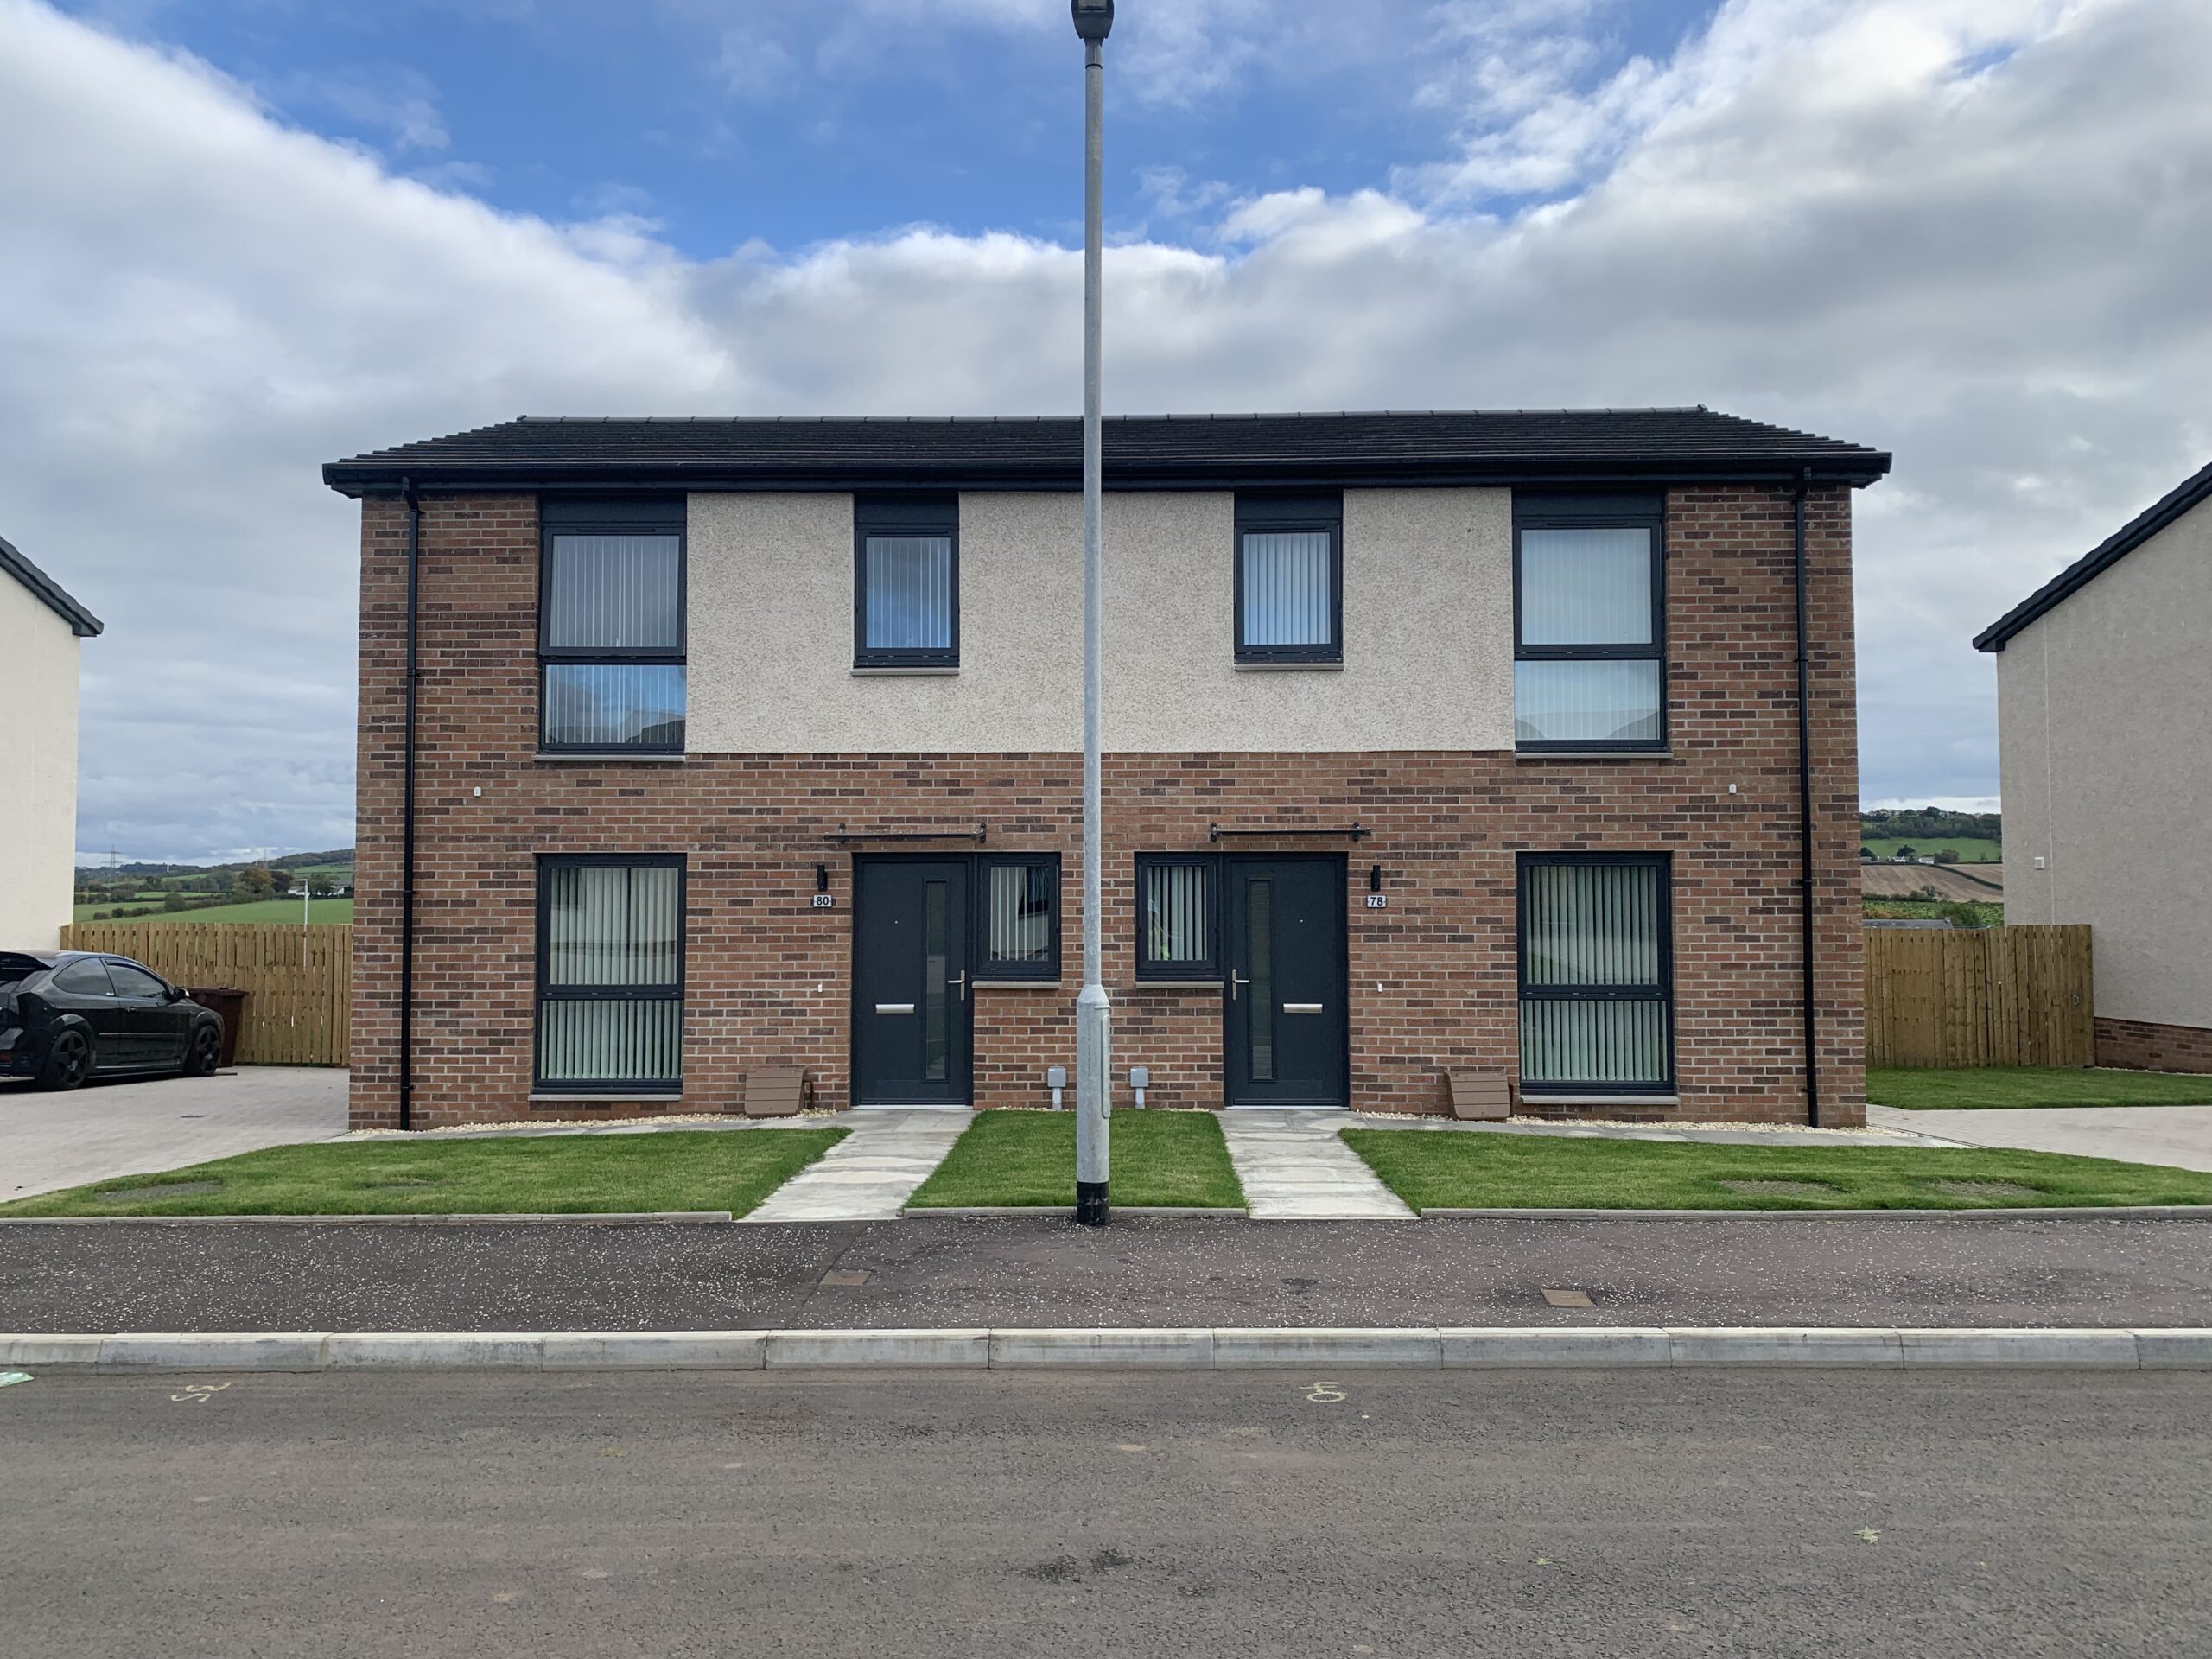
[2178, 1136]
[1293, 1167]
[48, 1142]
[870, 1174]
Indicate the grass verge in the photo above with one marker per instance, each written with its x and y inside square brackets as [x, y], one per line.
[1028, 1158]
[1481, 1172]
[700, 1169]
[1934, 1089]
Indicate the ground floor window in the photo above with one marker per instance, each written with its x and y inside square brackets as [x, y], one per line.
[1597, 972]
[1179, 923]
[1020, 917]
[610, 973]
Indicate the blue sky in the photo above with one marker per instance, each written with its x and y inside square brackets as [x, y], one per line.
[791, 123]
[244, 238]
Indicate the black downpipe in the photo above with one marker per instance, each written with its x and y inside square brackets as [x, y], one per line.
[407, 816]
[1805, 807]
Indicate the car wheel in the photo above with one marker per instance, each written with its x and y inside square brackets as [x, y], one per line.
[206, 1053]
[69, 1062]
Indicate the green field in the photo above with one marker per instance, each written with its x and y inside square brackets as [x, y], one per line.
[320, 912]
[1922, 910]
[1969, 849]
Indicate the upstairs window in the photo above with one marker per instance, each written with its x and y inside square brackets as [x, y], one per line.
[907, 583]
[1590, 670]
[611, 630]
[1597, 973]
[1290, 579]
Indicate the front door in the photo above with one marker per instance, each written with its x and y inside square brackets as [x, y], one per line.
[1285, 1014]
[911, 1003]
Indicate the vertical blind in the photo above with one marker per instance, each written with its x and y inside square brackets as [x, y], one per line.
[1178, 914]
[1594, 1005]
[1287, 582]
[909, 599]
[1585, 587]
[613, 1008]
[615, 593]
[1587, 699]
[1017, 915]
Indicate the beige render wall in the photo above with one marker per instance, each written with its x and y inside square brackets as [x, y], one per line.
[38, 760]
[2105, 715]
[1428, 631]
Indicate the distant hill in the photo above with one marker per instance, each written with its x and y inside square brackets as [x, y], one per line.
[1929, 824]
[340, 858]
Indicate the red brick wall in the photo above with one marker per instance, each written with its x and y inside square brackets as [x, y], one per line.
[2141, 1045]
[768, 972]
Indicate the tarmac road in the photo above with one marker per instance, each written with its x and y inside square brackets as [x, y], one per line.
[1826, 1514]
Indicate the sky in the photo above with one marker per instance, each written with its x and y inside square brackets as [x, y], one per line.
[237, 240]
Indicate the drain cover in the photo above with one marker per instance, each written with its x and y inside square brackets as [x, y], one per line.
[1985, 1189]
[169, 1190]
[1784, 1189]
[1568, 1299]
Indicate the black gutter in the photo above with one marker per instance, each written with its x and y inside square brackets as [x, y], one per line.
[1805, 804]
[552, 477]
[407, 815]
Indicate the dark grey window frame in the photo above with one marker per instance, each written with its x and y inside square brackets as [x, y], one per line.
[1323, 513]
[987, 966]
[655, 515]
[544, 993]
[1210, 968]
[903, 515]
[1642, 510]
[1663, 992]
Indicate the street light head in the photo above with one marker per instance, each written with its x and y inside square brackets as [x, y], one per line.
[1093, 18]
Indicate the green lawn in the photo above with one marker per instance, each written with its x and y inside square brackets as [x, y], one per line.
[1028, 1158]
[320, 912]
[704, 1169]
[1932, 1088]
[1971, 849]
[1433, 1170]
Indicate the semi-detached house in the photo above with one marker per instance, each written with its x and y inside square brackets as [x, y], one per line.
[1517, 742]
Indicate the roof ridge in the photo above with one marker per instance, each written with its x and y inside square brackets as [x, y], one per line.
[52, 594]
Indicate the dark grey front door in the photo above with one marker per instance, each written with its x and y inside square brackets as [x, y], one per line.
[1285, 1014]
[911, 1006]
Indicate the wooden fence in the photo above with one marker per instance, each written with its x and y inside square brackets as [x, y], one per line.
[1979, 996]
[298, 981]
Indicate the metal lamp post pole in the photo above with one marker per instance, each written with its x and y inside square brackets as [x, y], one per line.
[1093, 1015]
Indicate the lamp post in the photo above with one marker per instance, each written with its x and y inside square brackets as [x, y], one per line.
[1093, 1016]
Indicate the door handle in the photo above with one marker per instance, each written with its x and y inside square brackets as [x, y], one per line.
[961, 980]
[1235, 979]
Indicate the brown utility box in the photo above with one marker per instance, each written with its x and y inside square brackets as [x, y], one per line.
[778, 1091]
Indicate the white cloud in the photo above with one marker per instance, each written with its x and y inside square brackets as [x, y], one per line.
[1930, 225]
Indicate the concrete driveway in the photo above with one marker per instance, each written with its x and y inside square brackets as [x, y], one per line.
[53, 1140]
[2179, 1136]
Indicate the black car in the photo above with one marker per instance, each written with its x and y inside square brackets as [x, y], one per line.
[68, 1015]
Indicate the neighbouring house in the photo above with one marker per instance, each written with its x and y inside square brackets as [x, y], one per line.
[2104, 699]
[1443, 741]
[40, 627]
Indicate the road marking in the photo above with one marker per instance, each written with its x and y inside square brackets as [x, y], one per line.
[1326, 1394]
[198, 1393]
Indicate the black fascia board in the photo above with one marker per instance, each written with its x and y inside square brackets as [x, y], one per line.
[2192, 493]
[362, 477]
[49, 592]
